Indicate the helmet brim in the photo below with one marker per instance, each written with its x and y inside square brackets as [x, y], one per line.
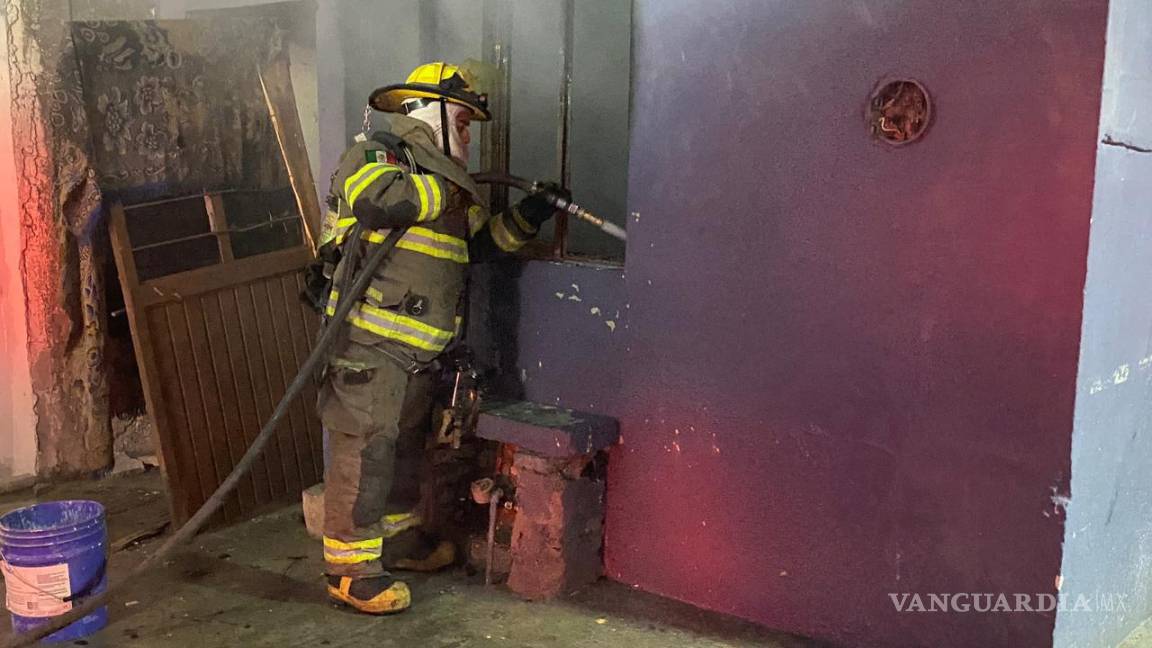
[391, 98]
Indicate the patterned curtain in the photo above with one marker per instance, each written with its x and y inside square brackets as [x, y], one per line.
[176, 108]
[135, 111]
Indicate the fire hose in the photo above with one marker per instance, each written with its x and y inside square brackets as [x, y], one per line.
[347, 300]
[560, 202]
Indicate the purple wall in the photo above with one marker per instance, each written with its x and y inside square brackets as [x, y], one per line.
[555, 333]
[850, 369]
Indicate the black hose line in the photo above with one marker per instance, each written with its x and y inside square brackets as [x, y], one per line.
[527, 186]
[212, 505]
[307, 371]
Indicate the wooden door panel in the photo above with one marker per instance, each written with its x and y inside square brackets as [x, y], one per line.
[217, 347]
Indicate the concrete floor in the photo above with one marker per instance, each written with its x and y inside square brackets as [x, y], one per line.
[259, 584]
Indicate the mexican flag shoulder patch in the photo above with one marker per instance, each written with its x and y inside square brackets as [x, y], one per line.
[378, 155]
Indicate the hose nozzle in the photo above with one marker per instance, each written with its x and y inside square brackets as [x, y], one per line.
[571, 208]
[557, 201]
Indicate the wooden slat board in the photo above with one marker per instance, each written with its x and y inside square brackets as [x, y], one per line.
[276, 83]
[217, 347]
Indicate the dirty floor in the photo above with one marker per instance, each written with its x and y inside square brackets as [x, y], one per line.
[258, 584]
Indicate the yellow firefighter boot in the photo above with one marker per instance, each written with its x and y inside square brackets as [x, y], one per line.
[418, 550]
[373, 595]
[441, 556]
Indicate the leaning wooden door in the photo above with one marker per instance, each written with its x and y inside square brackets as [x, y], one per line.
[212, 286]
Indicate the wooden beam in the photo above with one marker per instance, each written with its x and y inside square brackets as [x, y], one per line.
[276, 82]
[146, 358]
[218, 222]
[177, 287]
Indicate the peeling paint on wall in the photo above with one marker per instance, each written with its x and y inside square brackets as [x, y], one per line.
[1119, 376]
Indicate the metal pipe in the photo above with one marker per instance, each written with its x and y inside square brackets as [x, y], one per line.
[493, 510]
[497, 36]
[564, 125]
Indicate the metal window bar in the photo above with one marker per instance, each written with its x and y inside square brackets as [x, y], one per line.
[564, 125]
[218, 233]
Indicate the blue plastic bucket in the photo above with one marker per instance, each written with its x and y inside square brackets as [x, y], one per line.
[55, 554]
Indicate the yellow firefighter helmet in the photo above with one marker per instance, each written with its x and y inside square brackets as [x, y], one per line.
[436, 81]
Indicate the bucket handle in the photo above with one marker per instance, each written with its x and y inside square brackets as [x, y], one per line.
[84, 591]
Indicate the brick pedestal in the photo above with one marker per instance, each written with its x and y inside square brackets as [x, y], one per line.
[558, 470]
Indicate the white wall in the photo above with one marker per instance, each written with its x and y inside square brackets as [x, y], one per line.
[381, 44]
[17, 415]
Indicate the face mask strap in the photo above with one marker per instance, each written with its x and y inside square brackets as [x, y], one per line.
[444, 127]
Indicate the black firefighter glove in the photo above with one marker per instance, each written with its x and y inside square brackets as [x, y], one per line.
[536, 209]
[318, 278]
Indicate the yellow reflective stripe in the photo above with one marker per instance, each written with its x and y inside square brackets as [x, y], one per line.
[431, 196]
[367, 182]
[437, 194]
[521, 223]
[394, 326]
[372, 293]
[476, 219]
[414, 324]
[371, 543]
[362, 185]
[339, 552]
[425, 199]
[398, 335]
[397, 518]
[351, 181]
[435, 244]
[426, 241]
[398, 523]
[433, 252]
[504, 238]
[438, 237]
[375, 236]
[351, 553]
[343, 226]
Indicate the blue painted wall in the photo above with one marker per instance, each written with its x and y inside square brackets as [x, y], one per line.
[552, 333]
[1108, 539]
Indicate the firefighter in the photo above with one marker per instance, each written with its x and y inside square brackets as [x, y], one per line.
[376, 398]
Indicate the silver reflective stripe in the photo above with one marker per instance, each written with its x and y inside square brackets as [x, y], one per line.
[426, 241]
[419, 239]
[432, 341]
[353, 553]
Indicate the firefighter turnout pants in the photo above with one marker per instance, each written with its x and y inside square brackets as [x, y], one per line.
[377, 421]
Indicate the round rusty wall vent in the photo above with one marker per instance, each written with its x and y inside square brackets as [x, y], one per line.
[899, 112]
